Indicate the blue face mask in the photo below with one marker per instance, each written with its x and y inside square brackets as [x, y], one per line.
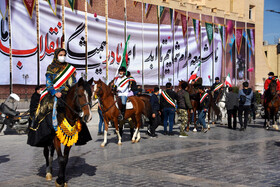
[269, 77]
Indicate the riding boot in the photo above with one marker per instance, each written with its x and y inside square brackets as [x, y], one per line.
[123, 110]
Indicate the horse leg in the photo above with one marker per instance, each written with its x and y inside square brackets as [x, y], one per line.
[49, 160]
[117, 131]
[48, 172]
[268, 117]
[138, 122]
[106, 123]
[62, 161]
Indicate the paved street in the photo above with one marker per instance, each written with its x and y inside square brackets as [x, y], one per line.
[221, 157]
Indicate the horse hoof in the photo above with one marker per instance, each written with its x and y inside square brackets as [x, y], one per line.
[61, 185]
[132, 141]
[48, 176]
[208, 127]
[102, 145]
[65, 184]
[188, 129]
[120, 143]
[136, 141]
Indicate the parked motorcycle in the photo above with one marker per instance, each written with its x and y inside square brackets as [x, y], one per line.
[11, 118]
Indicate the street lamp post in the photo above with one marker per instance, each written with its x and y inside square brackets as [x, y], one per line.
[25, 76]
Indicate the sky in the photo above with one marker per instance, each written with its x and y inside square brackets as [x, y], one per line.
[271, 27]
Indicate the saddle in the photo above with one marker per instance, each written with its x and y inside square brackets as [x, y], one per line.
[118, 104]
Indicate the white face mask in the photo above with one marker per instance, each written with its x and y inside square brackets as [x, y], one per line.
[61, 59]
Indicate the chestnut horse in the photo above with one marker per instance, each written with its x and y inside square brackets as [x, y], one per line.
[78, 104]
[272, 104]
[110, 111]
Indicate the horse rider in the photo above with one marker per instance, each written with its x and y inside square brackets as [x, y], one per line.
[216, 87]
[60, 76]
[267, 83]
[121, 83]
[132, 84]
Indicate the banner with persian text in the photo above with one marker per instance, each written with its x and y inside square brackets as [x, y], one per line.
[186, 50]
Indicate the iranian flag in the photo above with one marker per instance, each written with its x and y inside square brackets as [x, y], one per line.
[194, 75]
[228, 81]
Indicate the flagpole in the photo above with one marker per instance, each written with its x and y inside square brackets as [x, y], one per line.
[63, 24]
[200, 43]
[245, 78]
[173, 37]
[142, 45]
[186, 57]
[125, 18]
[10, 46]
[107, 47]
[38, 42]
[235, 51]
[159, 55]
[86, 40]
[213, 51]
[225, 46]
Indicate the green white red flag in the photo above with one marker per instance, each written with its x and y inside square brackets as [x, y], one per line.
[194, 75]
[228, 81]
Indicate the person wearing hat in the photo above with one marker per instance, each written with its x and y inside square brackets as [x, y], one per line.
[216, 87]
[122, 86]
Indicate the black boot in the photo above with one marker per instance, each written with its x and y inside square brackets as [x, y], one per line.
[123, 110]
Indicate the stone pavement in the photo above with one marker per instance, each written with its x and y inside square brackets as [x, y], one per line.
[220, 157]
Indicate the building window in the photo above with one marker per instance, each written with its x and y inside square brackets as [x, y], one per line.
[265, 52]
[251, 11]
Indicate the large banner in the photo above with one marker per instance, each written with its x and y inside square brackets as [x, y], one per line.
[4, 49]
[24, 45]
[185, 50]
[50, 35]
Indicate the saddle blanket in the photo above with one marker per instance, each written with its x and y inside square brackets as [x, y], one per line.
[129, 105]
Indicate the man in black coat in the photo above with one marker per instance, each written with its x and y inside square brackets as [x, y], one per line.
[155, 119]
[231, 106]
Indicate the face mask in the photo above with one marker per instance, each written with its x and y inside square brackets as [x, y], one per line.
[61, 59]
[270, 77]
[120, 74]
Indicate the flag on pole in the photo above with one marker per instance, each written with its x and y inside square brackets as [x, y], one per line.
[184, 24]
[228, 81]
[124, 57]
[71, 3]
[3, 8]
[209, 31]
[53, 4]
[88, 2]
[194, 75]
[147, 8]
[29, 5]
[196, 27]
[222, 34]
[161, 10]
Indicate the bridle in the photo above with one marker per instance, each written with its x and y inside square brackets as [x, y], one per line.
[98, 92]
[78, 112]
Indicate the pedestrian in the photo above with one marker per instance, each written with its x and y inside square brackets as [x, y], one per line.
[184, 104]
[231, 106]
[34, 102]
[245, 98]
[101, 121]
[155, 119]
[167, 102]
[204, 105]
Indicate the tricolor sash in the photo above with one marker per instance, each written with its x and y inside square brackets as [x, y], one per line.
[60, 79]
[123, 82]
[203, 97]
[218, 87]
[168, 98]
[196, 79]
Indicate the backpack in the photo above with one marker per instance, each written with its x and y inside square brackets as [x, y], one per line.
[242, 99]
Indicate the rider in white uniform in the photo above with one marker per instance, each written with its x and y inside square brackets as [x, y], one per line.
[122, 84]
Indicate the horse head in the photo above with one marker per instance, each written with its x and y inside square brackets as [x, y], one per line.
[273, 87]
[101, 90]
[82, 99]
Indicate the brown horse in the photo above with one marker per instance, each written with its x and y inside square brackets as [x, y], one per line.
[110, 111]
[78, 104]
[272, 104]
